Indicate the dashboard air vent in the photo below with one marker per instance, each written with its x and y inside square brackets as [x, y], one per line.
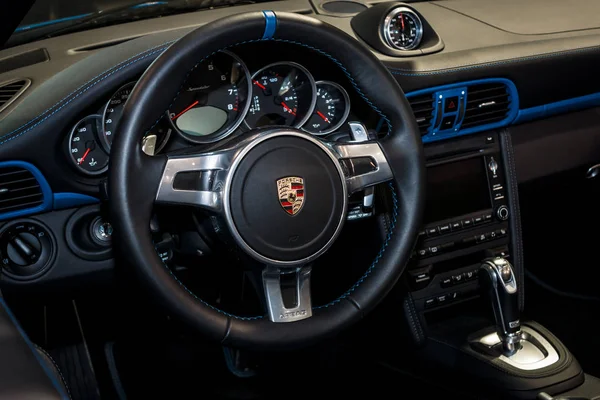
[422, 107]
[10, 91]
[486, 104]
[19, 190]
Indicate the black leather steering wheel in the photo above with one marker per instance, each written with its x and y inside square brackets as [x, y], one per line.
[242, 187]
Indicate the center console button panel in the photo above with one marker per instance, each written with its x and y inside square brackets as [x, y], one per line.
[467, 218]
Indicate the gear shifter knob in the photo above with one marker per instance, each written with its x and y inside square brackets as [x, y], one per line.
[498, 282]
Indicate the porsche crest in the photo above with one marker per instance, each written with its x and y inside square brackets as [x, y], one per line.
[291, 194]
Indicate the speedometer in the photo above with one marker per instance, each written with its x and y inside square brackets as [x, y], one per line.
[214, 99]
[282, 94]
[113, 112]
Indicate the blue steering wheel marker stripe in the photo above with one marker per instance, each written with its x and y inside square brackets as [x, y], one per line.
[270, 25]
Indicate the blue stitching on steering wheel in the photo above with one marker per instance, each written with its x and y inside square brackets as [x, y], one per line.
[394, 195]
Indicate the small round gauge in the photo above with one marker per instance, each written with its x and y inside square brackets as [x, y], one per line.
[213, 100]
[402, 29]
[331, 110]
[85, 150]
[282, 94]
[113, 112]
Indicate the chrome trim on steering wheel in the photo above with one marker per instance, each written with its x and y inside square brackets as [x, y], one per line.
[223, 164]
[278, 312]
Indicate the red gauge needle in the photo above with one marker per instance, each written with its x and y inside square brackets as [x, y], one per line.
[402, 20]
[287, 108]
[84, 156]
[257, 83]
[188, 108]
[320, 114]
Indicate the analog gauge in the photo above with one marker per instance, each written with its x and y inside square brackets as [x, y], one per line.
[213, 100]
[402, 29]
[331, 110]
[153, 141]
[113, 112]
[85, 150]
[282, 94]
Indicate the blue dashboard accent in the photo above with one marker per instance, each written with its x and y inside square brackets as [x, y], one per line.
[559, 107]
[70, 200]
[50, 201]
[461, 90]
[270, 25]
[45, 188]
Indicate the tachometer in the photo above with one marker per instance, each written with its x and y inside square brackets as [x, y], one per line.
[402, 29]
[85, 149]
[331, 110]
[282, 94]
[213, 100]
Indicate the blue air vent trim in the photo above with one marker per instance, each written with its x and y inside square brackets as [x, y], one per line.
[461, 90]
[50, 201]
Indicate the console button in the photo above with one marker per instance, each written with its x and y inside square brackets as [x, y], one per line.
[489, 139]
[434, 250]
[487, 217]
[441, 299]
[452, 296]
[451, 104]
[444, 228]
[447, 122]
[433, 231]
[430, 302]
[422, 277]
[422, 233]
[478, 220]
[467, 222]
[493, 235]
[501, 232]
[446, 282]
[470, 275]
[423, 252]
[456, 226]
[482, 237]
[456, 279]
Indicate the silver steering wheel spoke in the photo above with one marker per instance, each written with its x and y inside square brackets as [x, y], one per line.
[202, 187]
[298, 281]
[365, 164]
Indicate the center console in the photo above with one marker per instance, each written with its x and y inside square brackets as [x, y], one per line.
[465, 279]
[466, 220]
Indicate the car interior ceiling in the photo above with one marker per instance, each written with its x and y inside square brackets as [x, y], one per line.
[230, 199]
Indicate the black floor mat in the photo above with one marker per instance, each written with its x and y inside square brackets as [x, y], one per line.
[179, 370]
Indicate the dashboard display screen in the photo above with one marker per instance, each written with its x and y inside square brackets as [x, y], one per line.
[455, 189]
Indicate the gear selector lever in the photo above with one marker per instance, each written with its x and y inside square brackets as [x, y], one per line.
[498, 282]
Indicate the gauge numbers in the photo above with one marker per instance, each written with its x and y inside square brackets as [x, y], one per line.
[331, 110]
[282, 94]
[213, 100]
[85, 150]
[402, 29]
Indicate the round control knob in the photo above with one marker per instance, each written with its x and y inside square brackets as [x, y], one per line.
[26, 249]
[502, 213]
[23, 249]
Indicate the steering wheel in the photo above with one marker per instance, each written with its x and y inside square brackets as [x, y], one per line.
[245, 174]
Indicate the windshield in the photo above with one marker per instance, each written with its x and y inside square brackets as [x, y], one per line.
[49, 18]
[48, 12]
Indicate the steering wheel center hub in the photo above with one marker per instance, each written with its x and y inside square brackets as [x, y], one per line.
[286, 200]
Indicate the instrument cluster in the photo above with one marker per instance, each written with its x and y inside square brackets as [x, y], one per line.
[220, 96]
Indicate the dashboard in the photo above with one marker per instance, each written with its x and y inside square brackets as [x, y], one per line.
[466, 73]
